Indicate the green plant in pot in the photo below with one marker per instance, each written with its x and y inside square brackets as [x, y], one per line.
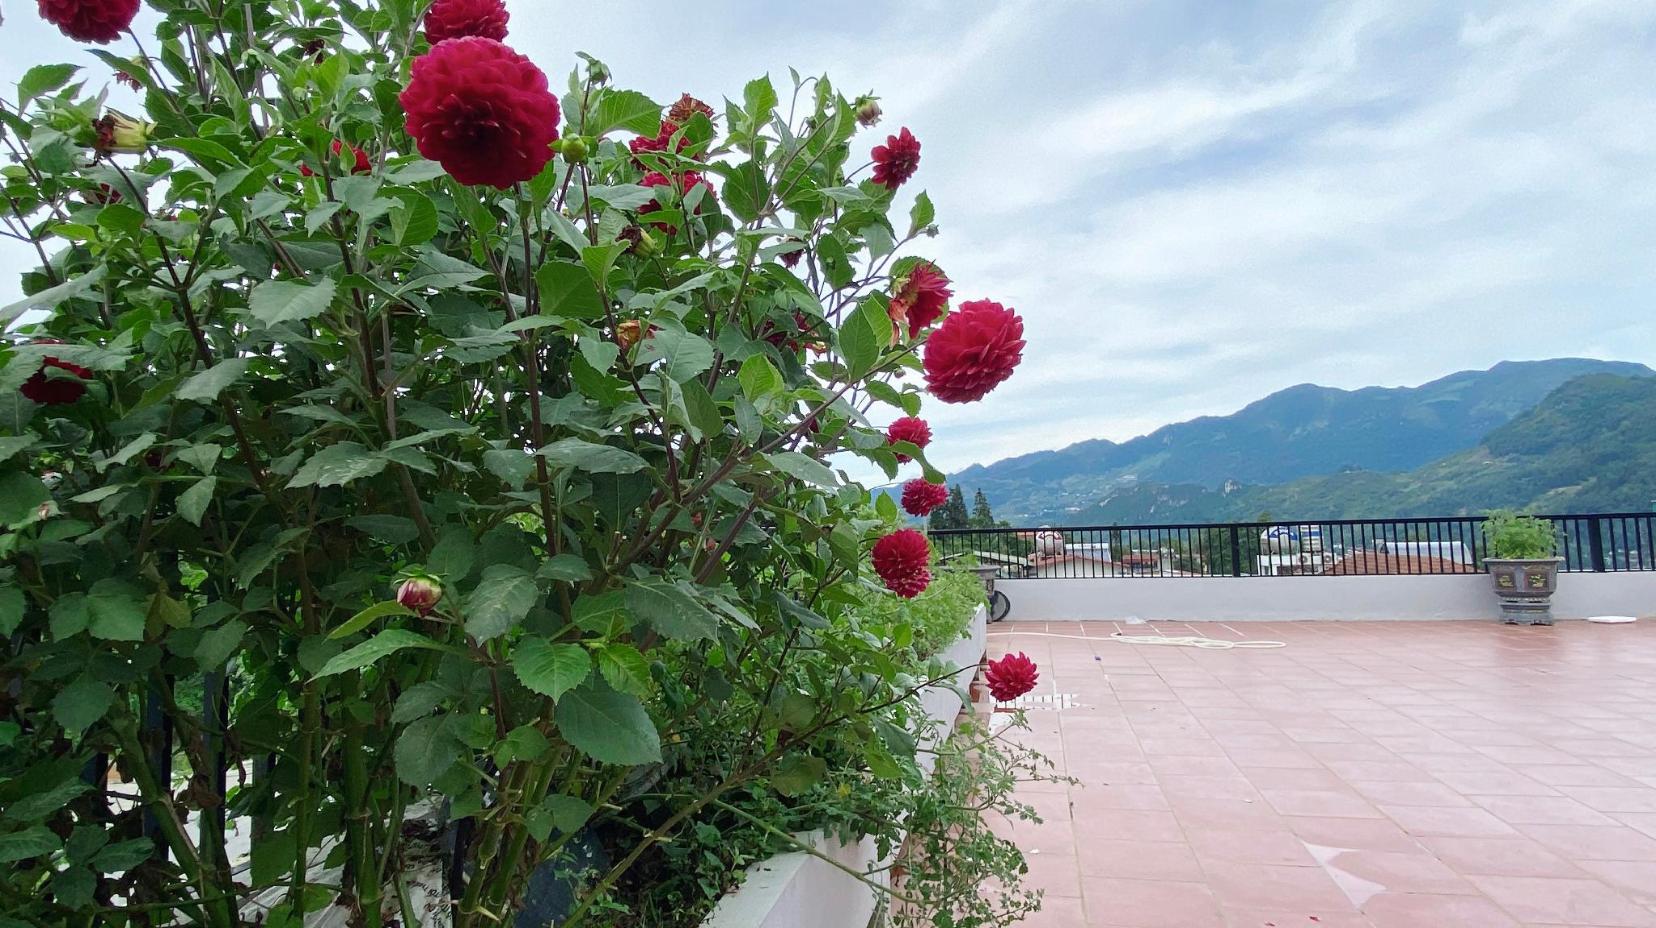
[1522, 566]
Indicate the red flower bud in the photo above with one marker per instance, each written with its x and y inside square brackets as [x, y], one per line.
[419, 594]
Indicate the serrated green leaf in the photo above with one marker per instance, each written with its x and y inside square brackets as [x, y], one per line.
[550, 669]
[759, 378]
[671, 609]
[216, 645]
[20, 494]
[566, 290]
[119, 858]
[78, 705]
[803, 467]
[798, 773]
[685, 355]
[278, 301]
[337, 465]
[192, 503]
[425, 750]
[582, 455]
[34, 841]
[11, 610]
[608, 726]
[502, 599]
[206, 386]
[366, 617]
[863, 336]
[627, 110]
[569, 568]
[624, 668]
[381, 645]
[43, 79]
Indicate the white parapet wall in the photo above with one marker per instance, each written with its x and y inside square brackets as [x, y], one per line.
[1244, 599]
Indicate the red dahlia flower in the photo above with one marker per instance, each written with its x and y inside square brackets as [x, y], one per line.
[681, 184]
[687, 106]
[481, 110]
[1011, 676]
[901, 559]
[920, 497]
[99, 21]
[361, 166]
[975, 349]
[918, 301]
[911, 429]
[456, 19]
[419, 594]
[56, 391]
[896, 161]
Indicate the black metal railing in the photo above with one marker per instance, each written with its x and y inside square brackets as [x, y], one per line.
[1598, 542]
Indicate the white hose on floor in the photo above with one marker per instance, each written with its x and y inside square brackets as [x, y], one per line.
[1176, 641]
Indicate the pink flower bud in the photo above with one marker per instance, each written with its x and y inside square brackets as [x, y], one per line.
[419, 594]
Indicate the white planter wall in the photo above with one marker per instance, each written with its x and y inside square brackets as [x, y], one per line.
[799, 890]
[1244, 599]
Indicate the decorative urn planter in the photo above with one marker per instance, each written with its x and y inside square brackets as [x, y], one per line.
[1525, 587]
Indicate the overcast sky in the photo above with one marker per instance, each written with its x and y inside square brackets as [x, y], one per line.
[1195, 203]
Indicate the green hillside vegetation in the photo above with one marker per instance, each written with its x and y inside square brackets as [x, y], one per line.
[1589, 446]
[1351, 437]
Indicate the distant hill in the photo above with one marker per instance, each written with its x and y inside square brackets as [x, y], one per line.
[1299, 432]
[1590, 446]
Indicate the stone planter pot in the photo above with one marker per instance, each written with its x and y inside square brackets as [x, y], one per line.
[1525, 587]
[798, 890]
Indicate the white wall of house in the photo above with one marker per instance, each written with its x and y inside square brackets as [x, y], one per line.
[1233, 599]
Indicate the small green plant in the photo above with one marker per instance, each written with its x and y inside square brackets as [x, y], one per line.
[1517, 537]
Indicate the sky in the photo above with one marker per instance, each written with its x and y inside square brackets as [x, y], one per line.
[1193, 203]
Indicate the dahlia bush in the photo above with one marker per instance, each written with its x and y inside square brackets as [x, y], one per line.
[402, 460]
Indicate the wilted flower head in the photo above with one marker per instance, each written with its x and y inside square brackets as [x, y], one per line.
[918, 300]
[57, 382]
[685, 107]
[119, 133]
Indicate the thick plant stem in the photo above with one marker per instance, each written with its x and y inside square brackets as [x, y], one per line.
[359, 824]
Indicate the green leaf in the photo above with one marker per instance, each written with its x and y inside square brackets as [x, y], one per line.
[625, 668]
[565, 813]
[41, 804]
[11, 610]
[550, 669]
[598, 259]
[192, 503]
[686, 355]
[42, 79]
[759, 378]
[81, 703]
[112, 610]
[512, 466]
[628, 110]
[216, 646]
[11, 444]
[366, 617]
[52, 296]
[671, 609]
[119, 858]
[337, 465]
[607, 726]
[566, 289]
[381, 645]
[20, 494]
[601, 612]
[425, 750]
[271, 859]
[922, 214]
[568, 568]
[746, 190]
[502, 599]
[206, 386]
[578, 454]
[278, 301]
[863, 336]
[34, 841]
[803, 467]
[798, 773]
[759, 100]
[396, 530]
[203, 457]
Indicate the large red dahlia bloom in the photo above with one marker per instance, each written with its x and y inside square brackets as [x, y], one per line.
[920, 497]
[481, 110]
[1011, 676]
[918, 301]
[100, 21]
[359, 160]
[911, 429]
[456, 19]
[896, 161]
[56, 391]
[901, 559]
[975, 349]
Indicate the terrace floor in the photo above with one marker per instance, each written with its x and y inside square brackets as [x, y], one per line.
[1382, 775]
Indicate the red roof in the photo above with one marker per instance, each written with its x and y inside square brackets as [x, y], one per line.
[1365, 563]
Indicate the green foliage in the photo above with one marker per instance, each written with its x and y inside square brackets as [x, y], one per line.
[303, 388]
[1513, 536]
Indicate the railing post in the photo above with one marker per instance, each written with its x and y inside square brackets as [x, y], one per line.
[1236, 551]
[1595, 543]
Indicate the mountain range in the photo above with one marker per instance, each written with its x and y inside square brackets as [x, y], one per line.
[1555, 434]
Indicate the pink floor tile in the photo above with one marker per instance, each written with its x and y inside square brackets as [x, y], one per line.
[1553, 901]
[1270, 886]
[1405, 910]
[1118, 903]
[1139, 860]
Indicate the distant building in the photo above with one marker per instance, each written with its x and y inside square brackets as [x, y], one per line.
[1372, 563]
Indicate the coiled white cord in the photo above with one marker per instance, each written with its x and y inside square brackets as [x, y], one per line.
[1176, 641]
